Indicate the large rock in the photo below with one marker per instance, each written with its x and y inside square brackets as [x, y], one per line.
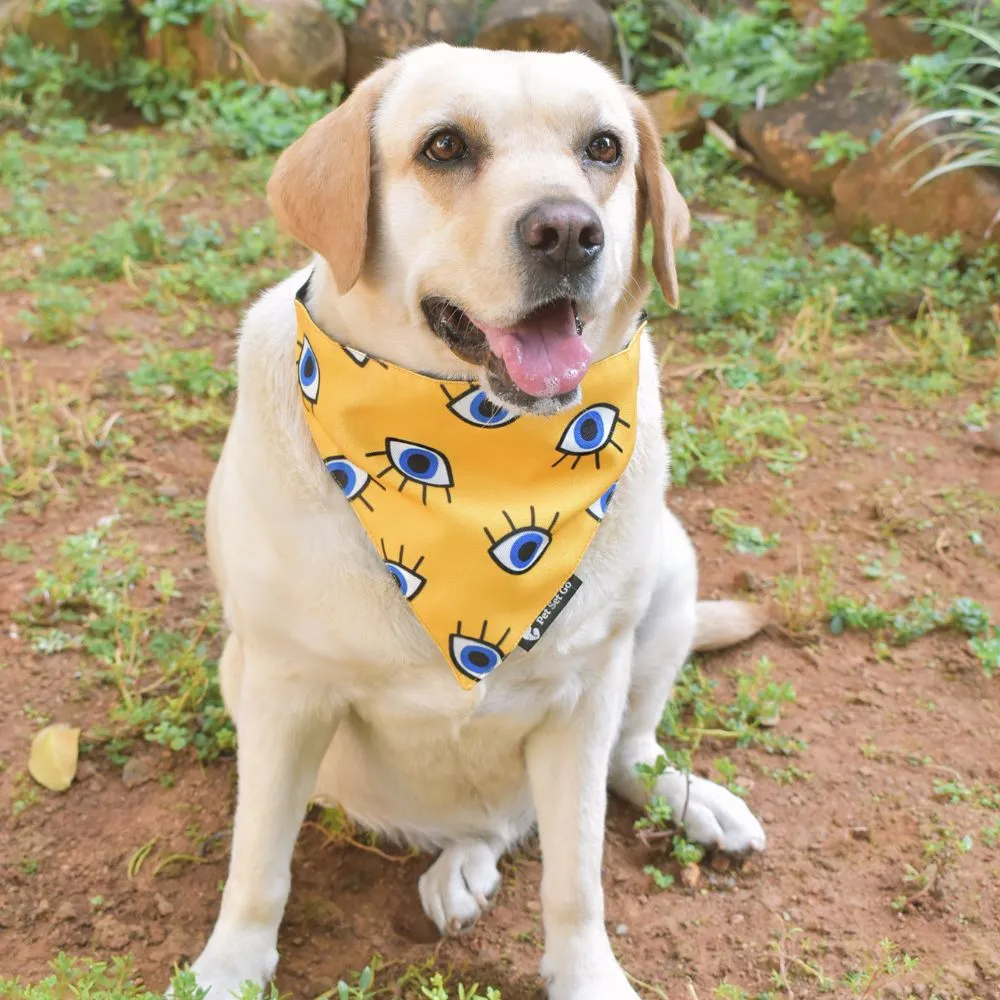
[386, 28]
[103, 45]
[201, 50]
[861, 99]
[296, 43]
[673, 111]
[551, 26]
[876, 189]
[895, 36]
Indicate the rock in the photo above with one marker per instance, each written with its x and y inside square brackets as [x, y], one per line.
[807, 12]
[861, 99]
[297, 43]
[163, 906]
[690, 875]
[895, 37]
[621, 930]
[386, 28]
[674, 112]
[201, 50]
[551, 26]
[110, 934]
[876, 190]
[137, 771]
[103, 45]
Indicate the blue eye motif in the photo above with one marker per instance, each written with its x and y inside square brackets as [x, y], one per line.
[473, 657]
[599, 507]
[308, 370]
[409, 581]
[520, 548]
[416, 463]
[351, 479]
[476, 408]
[589, 433]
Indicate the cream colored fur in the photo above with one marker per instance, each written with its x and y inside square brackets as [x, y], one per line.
[335, 690]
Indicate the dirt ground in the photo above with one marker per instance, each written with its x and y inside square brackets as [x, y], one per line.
[879, 827]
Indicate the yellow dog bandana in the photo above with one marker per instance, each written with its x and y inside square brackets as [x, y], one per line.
[481, 516]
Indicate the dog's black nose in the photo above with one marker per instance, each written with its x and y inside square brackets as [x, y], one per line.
[566, 235]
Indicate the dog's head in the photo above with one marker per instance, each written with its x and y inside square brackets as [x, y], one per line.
[484, 210]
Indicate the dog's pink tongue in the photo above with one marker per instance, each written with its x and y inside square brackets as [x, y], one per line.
[544, 353]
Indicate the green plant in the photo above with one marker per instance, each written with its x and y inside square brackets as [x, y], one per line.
[164, 676]
[743, 538]
[739, 58]
[114, 980]
[345, 11]
[837, 147]
[57, 312]
[161, 13]
[962, 85]
[919, 618]
[83, 13]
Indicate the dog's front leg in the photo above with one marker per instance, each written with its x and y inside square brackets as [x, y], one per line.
[284, 729]
[567, 760]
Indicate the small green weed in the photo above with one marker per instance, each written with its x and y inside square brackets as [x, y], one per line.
[696, 712]
[918, 618]
[92, 600]
[114, 980]
[837, 147]
[743, 538]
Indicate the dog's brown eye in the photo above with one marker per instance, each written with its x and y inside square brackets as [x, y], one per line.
[604, 149]
[445, 147]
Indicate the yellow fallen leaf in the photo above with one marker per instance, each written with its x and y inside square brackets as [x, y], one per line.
[54, 754]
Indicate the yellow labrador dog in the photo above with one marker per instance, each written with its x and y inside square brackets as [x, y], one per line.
[475, 216]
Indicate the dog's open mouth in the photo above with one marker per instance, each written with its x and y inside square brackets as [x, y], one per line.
[542, 356]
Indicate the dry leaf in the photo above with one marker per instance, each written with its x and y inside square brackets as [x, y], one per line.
[54, 754]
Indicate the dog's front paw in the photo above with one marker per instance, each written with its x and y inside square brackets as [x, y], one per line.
[459, 887]
[605, 981]
[226, 967]
[713, 817]
[585, 968]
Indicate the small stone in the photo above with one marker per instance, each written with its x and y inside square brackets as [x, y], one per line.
[861, 833]
[622, 930]
[163, 906]
[66, 911]
[844, 486]
[690, 876]
[721, 862]
[110, 934]
[168, 490]
[137, 771]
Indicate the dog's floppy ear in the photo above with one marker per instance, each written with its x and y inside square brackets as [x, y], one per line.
[665, 207]
[320, 187]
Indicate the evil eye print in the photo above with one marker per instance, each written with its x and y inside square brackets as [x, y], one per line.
[352, 480]
[360, 358]
[473, 657]
[589, 433]
[409, 581]
[520, 548]
[416, 463]
[475, 407]
[599, 507]
[308, 369]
